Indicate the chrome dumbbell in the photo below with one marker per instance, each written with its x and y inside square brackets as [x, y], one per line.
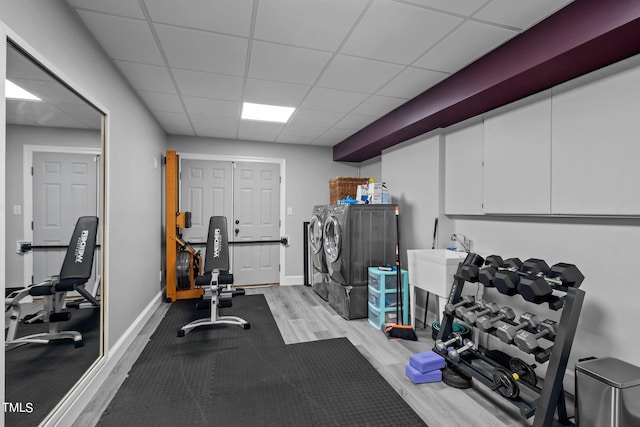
[454, 353]
[455, 338]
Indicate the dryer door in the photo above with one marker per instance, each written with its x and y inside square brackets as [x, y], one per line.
[332, 239]
[315, 236]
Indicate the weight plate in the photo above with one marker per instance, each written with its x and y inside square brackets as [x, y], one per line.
[456, 378]
[504, 383]
[524, 371]
[183, 268]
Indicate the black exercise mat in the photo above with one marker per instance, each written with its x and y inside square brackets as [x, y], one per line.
[227, 376]
[37, 376]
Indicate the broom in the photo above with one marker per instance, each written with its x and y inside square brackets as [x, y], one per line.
[399, 330]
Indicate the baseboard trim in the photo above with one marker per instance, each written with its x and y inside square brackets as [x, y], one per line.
[293, 280]
[70, 408]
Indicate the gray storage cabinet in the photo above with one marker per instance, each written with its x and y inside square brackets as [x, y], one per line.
[607, 393]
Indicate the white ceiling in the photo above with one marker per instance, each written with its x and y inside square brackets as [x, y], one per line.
[342, 64]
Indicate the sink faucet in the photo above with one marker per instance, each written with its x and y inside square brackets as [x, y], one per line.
[463, 240]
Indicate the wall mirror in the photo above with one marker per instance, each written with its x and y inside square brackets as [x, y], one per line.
[54, 175]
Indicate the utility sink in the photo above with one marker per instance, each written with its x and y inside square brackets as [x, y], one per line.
[433, 270]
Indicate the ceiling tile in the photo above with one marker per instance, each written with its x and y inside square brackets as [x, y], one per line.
[358, 74]
[259, 131]
[303, 130]
[295, 139]
[116, 7]
[222, 16]
[274, 93]
[412, 82]
[315, 118]
[379, 105]
[147, 77]
[207, 85]
[466, 44]
[285, 63]
[307, 23]
[520, 14]
[332, 100]
[202, 51]
[337, 134]
[462, 7]
[218, 127]
[157, 101]
[83, 113]
[398, 32]
[172, 119]
[211, 107]
[354, 121]
[123, 38]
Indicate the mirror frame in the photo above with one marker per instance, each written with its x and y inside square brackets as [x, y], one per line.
[70, 405]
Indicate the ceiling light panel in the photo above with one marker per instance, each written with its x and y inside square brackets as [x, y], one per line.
[266, 113]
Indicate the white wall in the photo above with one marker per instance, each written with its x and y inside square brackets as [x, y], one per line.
[52, 33]
[17, 138]
[604, 248]
[308, 170]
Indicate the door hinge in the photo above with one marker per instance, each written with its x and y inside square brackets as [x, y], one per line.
[31, 170]
[278, 268]
[33, 279]
[281, 179]
[31, 225]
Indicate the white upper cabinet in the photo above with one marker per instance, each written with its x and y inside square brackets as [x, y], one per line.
[517, 157]
[596, 143]
[463, 169]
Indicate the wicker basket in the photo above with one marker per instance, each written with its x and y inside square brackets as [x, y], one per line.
[343, 186]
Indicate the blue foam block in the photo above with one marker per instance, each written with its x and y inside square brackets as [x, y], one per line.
[427, 361]
[420, 378]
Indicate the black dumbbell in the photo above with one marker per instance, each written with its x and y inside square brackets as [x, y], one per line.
[455, 338]
[535, 266]
[454, 353]
[528, 342]
[471, 316]
[464, 299]
[460, 311]
[507, 332]
[538, 287]
[471, 272]
[506, 279]
[484, 323]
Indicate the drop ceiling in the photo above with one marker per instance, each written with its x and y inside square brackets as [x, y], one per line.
[341, 64]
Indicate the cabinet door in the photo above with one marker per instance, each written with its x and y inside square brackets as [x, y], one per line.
[596, 149]
[463, 170]
[517, 157]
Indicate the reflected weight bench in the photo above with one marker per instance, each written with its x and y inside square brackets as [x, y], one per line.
[76, 271]
[217, 277]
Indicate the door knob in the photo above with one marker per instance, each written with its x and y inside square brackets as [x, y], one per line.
[237, 221]
[237, 230]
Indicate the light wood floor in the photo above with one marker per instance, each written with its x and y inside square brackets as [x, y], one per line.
[303, 316]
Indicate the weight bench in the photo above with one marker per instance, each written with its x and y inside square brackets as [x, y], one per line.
[75, 272]
[217, 277]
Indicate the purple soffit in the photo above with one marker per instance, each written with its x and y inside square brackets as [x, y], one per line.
[580, 38]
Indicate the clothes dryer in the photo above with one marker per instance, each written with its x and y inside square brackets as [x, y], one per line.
[355, 238]
[320, 273]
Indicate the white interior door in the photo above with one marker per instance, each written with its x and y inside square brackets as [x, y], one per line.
[256, 194]
[205, 191]
[248, 194]
[64, 189]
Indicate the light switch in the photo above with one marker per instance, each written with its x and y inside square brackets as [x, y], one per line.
[289, 211]
[17, 210]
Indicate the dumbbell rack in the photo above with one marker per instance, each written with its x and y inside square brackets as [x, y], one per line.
[551, 396]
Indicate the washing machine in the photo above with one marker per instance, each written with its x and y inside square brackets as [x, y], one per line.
[319, 271]
[356, 237]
